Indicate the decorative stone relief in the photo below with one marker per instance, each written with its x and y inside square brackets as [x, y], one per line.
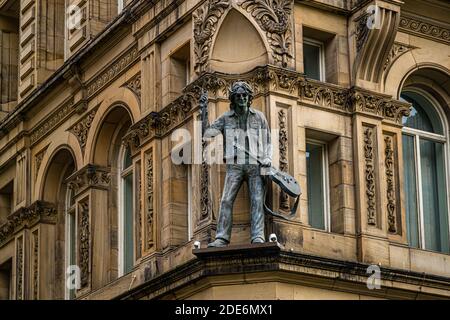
[84, 246]
[134, 85]
[274, 18]
[90, 176]
[113, 71]
[149, 200]
[81, 129]
[39, 211]
[35, 237]
[52, 122]
[206, 19]
[38, 159]
[416, 25]
[369, 160]
[390, 184]
[283, 145]
[397, 50]
[19, 268]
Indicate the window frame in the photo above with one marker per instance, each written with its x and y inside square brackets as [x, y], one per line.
[321, 46]
[122, 174]
[325, 182]
[70, 211]
[434, 137]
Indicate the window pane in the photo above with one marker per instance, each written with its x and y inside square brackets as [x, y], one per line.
[128, 222]
[127, 159]
[409, 171]
[314, 163]
[72, 239]
[311, 60]
[434, 196]
[423, 115]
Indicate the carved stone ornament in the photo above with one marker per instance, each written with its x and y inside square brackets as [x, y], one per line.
[283, 145]
[81, 129]
[149, 199]
[369, 161]
[418, 26]
[134, 85]
[398, 49]
[84, 246]
[90, 176]
[206, 19]
[35, 236]
[390, 182]
[19, 268]
[38, 159]
[274, 18]
[51, 122]
[39, 211]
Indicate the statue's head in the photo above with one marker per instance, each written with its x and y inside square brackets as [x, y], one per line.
[240, 95]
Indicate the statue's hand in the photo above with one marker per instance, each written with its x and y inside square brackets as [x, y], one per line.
[266, 163]
[203, 99]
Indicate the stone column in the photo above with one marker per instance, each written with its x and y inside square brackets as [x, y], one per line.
[377, 136]
[94, 252]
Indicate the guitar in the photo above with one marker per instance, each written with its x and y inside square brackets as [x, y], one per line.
[285, 181]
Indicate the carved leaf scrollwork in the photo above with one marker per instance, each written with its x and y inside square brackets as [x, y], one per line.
[273, 16]
[205, 24]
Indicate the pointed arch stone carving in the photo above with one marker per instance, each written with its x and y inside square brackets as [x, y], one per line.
[274, 18]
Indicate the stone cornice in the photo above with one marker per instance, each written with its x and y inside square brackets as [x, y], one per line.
[424, 27]
[39, 211]
[112, 71]
[90, 176]
[270, 258]
[264, 80]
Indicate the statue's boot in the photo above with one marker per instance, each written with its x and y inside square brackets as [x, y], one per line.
[218, 243]
[258, 240]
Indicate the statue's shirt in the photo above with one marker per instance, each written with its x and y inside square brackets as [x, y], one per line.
[255, 131]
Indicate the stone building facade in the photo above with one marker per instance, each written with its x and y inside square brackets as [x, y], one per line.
[92, 92]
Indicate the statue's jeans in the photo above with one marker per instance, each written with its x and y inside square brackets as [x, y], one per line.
[235, 176]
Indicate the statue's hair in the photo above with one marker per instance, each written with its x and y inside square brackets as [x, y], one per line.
[240, 84]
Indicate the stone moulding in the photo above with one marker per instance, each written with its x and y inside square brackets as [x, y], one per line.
[51, 122]
[39, 211]
[417, 25]
[112, 71]
[90, 176]
[264, 80]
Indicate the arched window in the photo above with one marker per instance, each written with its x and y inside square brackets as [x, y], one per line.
[126, 221]
[70, 240]
[425, 173]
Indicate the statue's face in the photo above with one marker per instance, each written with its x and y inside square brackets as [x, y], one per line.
[241, 98]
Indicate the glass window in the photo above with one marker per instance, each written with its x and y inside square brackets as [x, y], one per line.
[317, 184]
[425, 174]
[71, 238]
[313, 59]
[126, 221]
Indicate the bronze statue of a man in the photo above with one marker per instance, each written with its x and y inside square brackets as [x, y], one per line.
[247, 148]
